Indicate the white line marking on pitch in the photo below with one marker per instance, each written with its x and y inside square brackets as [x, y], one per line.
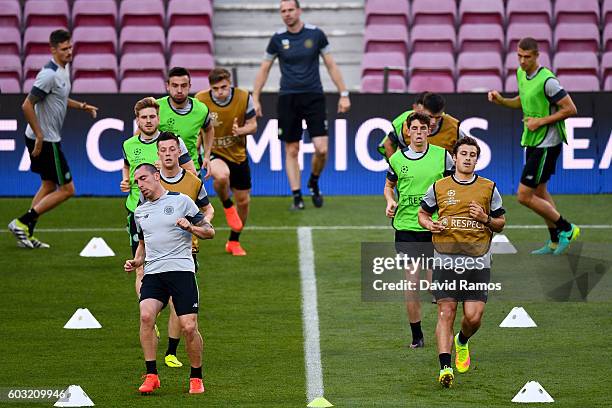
[310, 316]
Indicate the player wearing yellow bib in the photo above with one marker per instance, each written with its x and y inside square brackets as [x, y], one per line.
[469, 211]
[233, 117]
[545, 105]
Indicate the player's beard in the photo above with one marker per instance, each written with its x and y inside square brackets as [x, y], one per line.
[177, 101]
[148, 134]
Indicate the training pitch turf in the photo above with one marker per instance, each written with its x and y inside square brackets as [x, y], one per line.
[251, 314]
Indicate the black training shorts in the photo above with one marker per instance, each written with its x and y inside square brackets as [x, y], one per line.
[415, 244]
[240, 173]
[50, 164]
[293, 108]
[182, 286]
[540, 163]
[467, 278]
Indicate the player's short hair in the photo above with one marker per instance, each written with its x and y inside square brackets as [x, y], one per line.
[58, 36]
[420, 116]
[297, 2]
[466, 140]
[178, 71]
[218, 75]
[434, 102]
[420, 98]
[528, 44]
[148, 102]
[150, 168]
[167, 136]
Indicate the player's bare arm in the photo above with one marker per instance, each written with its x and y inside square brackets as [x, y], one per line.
[30, 116]
[344, 103]
[249, 128]
[260, 81]
[132, 264]
[496, 98]
[209, 138]
[189, 166]
[201, 229]
[390, 197]
[124, 186]
[92, 110]
[208, 211]
[425, 221]
[566, 109]
[495, 224]
[390, 147]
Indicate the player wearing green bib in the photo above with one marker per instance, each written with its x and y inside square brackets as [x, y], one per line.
[545, 106]
[411, 171]
[186, 117]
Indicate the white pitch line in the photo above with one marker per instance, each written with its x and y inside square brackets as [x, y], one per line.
[312, 227]
[310, 316]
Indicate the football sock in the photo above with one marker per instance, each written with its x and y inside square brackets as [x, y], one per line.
[234, 236]
[463, 339]
[563, 225]
[196, 372]
[172, 345]
[313, 179]
[417, 333]
[445, 360]
[151, 366]
[228, 203]
[554, 235]
[29, 219]
[297, 196]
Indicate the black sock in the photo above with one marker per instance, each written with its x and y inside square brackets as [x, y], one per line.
[172, 345]
[29, 219]
[445, 360]
[313, 179]
[234, 236]
[151, 367]
[554, 234]
[563, 225]
[196, 372]
[417, 333]
[297, 196]
[228, 203]
[463, 339]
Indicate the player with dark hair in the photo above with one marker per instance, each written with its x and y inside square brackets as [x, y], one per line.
[233, 116]
[470, 210]
[45, 109]
[298, 47]
[545, 105]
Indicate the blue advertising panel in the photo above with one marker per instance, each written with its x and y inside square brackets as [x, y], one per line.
[93, 147]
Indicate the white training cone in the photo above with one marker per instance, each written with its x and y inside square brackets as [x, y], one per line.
[518, 317]
[82, 319]
[532, 392]
[74, 397]
[502, 245]
[97, 247]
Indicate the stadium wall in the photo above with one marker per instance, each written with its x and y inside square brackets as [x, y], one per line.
[93, 147]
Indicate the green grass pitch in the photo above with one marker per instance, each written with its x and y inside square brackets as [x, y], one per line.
[251, 317]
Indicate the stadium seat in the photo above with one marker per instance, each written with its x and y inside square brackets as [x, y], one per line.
[101, 13]
[481, 37]
[375, 83]
[434, 12]
[98, 40]
[478, 83]
[572, 11]
[10, 41]
[10, 73]
[95, 85]
[10, 14]
[373, 68]
[94, 73]
[481, 12]
[36, 40]
[199, 66]
[190, 12]
[485, 63]
[32, 64]
[577, 37]
[46, 13]
[141, 13]
[512, 65]
[131, 65]
[579, 83]
[607, 38]
[154, 85]
[136, 39]
[606, 12]
[538, 31]
[386, 38]
[606, 70]
[607, 86]
[387, 12]
[431, 71]
[529, 11]
[187, 39]
[433, 38]
[577, 71]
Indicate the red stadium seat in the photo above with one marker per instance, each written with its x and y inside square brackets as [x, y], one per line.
[10, 73]
[512, 65]
[141, 13]
[540, 32]
[478, 83]
[137, 39]
[190, 12]
[94, 13]
[606, 69]
[94, 40]
[484, 63]
[190, 39]
[131, 65]
[529, 11]
[577, 37]
[577, 71]
[481, 12]
[386, 38]
[46, 13]
[10, 14]
[95, 85]
[607, 38]
[434, 12]
[433, 38]
[372, 72]
[579, 83]
[573, 11]
[86, 66]
[32, 64]
[10, 41]
[375, 83]
[387, 12]
[608, 83]
[431, 71]
[606, 12]
[36, 40]
[199, 66]
[481, 37]
[154, 85]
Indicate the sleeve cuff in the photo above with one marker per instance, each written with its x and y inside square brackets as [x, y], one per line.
[39, 93]
[203, 202]
[427, 208]
[558, 96]
[392, 177]
[498, 213]
[185, 158]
